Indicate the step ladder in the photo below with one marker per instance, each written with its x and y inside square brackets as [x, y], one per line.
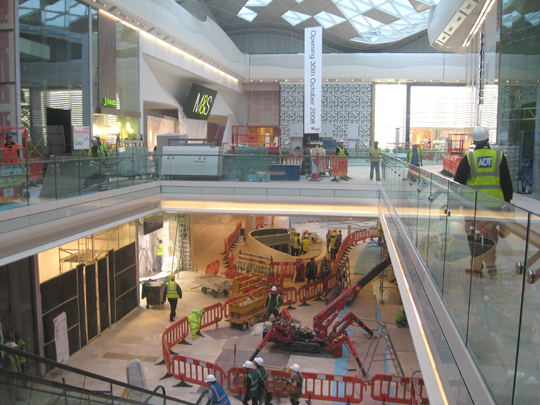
[391, 353]
[183, 249]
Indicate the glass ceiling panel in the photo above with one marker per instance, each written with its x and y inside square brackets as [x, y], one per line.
[371, 30]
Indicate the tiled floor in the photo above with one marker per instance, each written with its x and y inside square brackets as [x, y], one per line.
[139, 334]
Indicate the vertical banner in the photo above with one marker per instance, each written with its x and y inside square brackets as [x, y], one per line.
[8, 58]
[312, 79]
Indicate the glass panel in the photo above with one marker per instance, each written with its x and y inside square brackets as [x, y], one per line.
[496, 291]
[527, 389]
[423, 223]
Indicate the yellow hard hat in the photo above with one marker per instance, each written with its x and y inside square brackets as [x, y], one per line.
[172, 277]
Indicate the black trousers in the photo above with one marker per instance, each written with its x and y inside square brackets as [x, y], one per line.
[269, 312]
[254, 401]
[174, 303]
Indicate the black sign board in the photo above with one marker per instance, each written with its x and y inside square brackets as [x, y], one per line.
[153, 223]
[200, 102]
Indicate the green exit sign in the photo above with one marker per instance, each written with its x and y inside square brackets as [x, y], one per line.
[107, 102]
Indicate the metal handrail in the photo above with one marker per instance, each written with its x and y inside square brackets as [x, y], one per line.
[54, 364]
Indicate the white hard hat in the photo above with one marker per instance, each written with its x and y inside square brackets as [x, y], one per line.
[274, 288]
[480, 134]
[210, 378]
[248, 364]
[295, 367]
[413, 143]
[94, 139]
[13, 345]
[259, 361]
[341, 140]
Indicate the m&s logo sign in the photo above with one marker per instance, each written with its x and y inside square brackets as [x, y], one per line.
[485, 162]
[203, 104]
[199, 103]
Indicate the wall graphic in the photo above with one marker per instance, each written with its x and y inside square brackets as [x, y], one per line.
[262, 108]
[342, 104]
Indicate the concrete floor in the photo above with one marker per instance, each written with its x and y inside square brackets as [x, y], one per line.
[138, 335]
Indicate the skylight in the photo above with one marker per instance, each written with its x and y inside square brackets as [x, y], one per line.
[247, 14]
[328, 20]
[294, 17]
[258, 3]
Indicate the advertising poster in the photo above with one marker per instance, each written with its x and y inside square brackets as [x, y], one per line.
[81, 138]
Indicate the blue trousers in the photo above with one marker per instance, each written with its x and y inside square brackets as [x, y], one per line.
[377, 173]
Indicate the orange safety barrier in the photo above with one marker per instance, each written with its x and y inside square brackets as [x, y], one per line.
[236, 377]
[213, 268]
[310, 291]
[291, 160]
[173, 335]
[259, 221]
[418, 394]
[285, 269]
[356, 236]
[231, 272]
[212, 315]
[330, 387]
[339, 166]
[391, 388]
[289, 296]
[330, 282]
[192, 370]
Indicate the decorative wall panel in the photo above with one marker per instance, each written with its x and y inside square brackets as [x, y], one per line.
[262, 108]
[342, 104]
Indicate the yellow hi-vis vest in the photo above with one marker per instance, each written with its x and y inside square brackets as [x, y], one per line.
[333, 239]
[171, 290]
[305, 244]
[341, 151]
[375, 156]
[159, 251]
[296, 242]
[485, 174]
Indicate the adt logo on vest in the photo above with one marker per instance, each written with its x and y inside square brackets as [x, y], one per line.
[485, 162]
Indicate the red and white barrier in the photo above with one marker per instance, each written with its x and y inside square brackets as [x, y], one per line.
[213, 268]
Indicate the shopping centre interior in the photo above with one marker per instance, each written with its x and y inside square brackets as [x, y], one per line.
[204, 166]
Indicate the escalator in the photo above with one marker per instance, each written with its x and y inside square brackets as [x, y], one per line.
[62, 384]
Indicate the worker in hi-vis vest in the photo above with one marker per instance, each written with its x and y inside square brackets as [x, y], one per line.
[485, 170]
[159, 256]
[173, 292]
[341, 152]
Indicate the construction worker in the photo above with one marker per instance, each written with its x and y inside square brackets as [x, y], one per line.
[401, 318]
[341, 152]
[306, 243]
[11, 150]
[375, 158]
[328, 236]
[296, 381]
[11, 361]
[339, 240]
[273, 302]
[173, 293]
[159, 256]
[251, 383]
[195, 322]
[258, 362]
[22, 347]
[311, 270]
[414, 158]
[333, 249]
[96, 150]
[379, 233]
[291, 242]
[487, 171]
[296, 244]
[216, 393]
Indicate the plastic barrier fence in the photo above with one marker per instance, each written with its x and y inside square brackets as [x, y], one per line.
[291, 160]
[232, 237]
[236, 377]
[356, 236]
[285, 269]
[259, 221]
[213, 268]
[418, 394]
[391, 388]
[173, 335]
[339, 166]
[289, 295]
[232, 273]
[311, 291]
[212, 315]
[194, 371]
[330, 282]
[329, 387]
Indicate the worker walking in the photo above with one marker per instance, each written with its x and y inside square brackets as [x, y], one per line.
[375, 158]
[414, 158]
[485, 170]
[273, 302]
[258, 362]
[173, 293]
[333, 241]
[159, 256]
[216, 393]
[195, 322]
[294, 385]
[251, 383]
[22, 347]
